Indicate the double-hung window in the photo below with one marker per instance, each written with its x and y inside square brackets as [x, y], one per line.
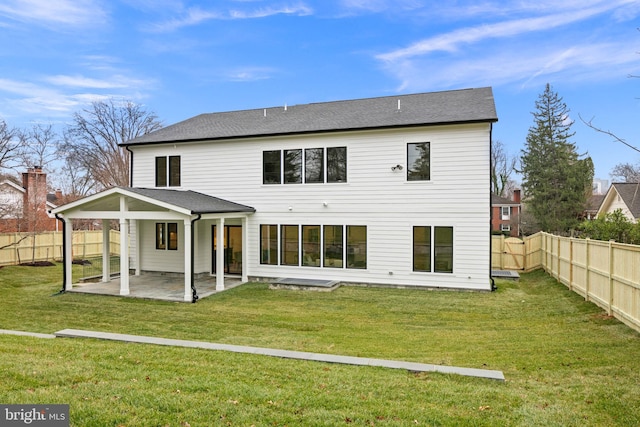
[168, 171]
[505, 212]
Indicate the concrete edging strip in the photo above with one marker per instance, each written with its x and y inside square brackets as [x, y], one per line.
[287, 354]
[26, 334]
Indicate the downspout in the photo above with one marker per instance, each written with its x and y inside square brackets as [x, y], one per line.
[126, 147]
[493, 282]
[194, 294]
[64, 253]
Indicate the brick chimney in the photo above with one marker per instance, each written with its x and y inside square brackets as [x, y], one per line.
[34, 181]
[516, 196]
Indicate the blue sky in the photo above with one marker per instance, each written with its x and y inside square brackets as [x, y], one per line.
[183, 58]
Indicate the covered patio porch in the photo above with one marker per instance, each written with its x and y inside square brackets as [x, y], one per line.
[163, 232]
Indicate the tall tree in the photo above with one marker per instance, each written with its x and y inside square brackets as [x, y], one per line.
[39, 147]
[626, 172]
[556, 179]
[502, 166]
[93, 137]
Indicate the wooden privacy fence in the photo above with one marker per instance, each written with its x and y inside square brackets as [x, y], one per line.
[27, 247]
[511, 253]
[606, 273]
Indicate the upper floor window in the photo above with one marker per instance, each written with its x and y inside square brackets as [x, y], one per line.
[271, 169]
[311, 165]
[337, 164]
[505, 212]
[314, 165]
[292, 166]
[168, 171]
[418, 161]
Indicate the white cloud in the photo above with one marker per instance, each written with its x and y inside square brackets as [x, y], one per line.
[522, 68]
[61, 95]
[451, 41]
[114, 82]
[196, 16]
[249, 74]
[381, 5]
[520, 51]
[57, 13]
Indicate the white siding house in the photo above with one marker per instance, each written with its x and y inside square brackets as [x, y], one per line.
[387, 191]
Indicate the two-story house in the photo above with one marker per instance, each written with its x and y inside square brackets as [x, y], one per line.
[505, 214]
[386, 191]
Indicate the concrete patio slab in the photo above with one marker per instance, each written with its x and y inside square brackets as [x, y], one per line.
[169, 287]
[287, 354]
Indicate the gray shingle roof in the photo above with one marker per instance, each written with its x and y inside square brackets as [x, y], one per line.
[456, 106]
[197, 203]
[630, 193]
[502, 201]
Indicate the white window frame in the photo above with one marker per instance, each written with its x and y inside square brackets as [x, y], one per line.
[506, 216]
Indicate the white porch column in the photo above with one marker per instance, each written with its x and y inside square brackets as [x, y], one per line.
[106, 250]
[138, 252]
[124, 248]
[187, 260]
[220, 255]
[68, 254]
[245, 249]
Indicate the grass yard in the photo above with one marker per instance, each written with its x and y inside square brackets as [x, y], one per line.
[566, 363]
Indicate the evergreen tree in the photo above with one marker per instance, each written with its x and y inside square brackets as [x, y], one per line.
[556, 179]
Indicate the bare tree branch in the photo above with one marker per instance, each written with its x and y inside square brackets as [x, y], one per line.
[608, 132]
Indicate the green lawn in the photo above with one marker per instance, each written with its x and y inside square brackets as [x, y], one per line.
[566, 363]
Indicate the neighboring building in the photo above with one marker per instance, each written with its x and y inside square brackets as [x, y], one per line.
[389, 191]
[624, 196]
[505, 214]
[25, 207]
[593, 205]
